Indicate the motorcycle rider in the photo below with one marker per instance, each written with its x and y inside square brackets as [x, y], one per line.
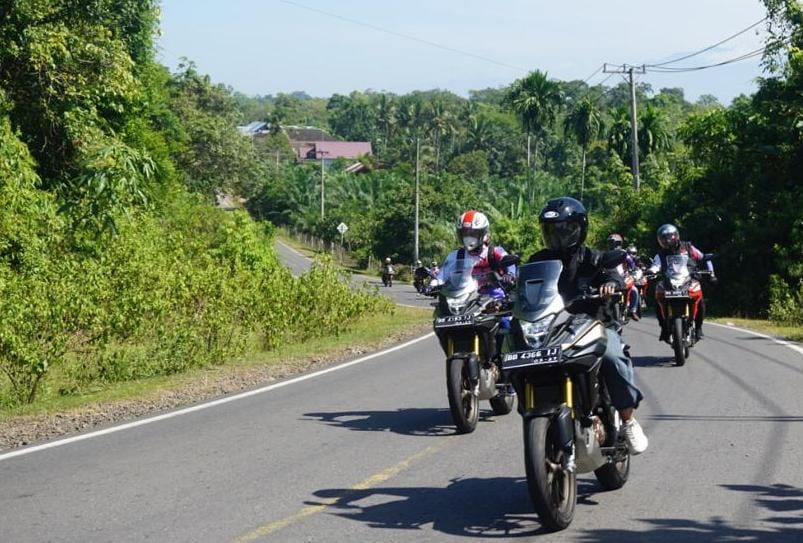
[669, 244]
[474, 234]
[420, 275]
[616, 241]
[387, 271]
[434, 269]
[564, 226]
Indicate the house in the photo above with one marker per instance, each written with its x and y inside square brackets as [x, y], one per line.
[256, 128]
[329, 151]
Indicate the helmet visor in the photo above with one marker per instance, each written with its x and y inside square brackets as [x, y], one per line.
[614, 243]
[472, 238]
[561, 235]
[669, 240]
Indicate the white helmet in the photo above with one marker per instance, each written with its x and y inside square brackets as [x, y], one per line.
[473, 230]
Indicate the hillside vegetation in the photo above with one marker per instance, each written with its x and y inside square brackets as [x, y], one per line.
[114, 263]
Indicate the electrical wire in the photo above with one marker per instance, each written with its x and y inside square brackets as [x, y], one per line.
[701, 51]
[680, 69]
[406, 36]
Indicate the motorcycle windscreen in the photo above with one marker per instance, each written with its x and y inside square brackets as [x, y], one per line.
[677, 268]
[459, 283]
[537, 285]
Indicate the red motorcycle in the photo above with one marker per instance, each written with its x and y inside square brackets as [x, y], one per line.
[679, 295]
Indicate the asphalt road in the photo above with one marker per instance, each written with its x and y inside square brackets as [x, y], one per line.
[368, 453]
[401, 293]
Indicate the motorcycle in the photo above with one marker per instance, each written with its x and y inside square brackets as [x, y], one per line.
[387, 275]
[467, 324]
[421, 278]
[641, 284]
[570, 425]
[679, 295]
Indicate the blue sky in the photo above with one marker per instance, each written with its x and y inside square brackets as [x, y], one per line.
[270, 46]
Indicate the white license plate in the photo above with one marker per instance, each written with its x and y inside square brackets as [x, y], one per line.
[454, 320]
[535, 357]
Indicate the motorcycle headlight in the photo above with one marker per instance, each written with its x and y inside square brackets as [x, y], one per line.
[677, 283]
[535, 332]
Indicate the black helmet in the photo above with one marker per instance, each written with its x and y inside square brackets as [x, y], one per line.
[668, 237]
[615, 241]
[564, 223]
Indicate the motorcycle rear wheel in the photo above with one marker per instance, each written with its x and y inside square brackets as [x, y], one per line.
[463, 403]
[677, 341]
[553, 491]
[502, 404]
[613, 475]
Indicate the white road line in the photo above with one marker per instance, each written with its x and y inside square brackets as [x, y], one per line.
[206, 405]
[791, 344]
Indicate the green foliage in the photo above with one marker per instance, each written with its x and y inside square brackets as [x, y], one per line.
[786, 302]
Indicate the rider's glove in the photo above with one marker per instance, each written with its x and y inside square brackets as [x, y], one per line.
[713, 278]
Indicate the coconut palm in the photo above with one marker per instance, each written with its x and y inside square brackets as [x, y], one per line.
[653, 134]
[441, 123]
[584, 124]
[619, 133]
[536, 100]
[386, 117]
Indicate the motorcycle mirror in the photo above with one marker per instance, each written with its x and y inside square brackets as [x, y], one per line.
[611, 259]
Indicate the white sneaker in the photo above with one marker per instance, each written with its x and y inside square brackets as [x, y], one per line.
[634, 436]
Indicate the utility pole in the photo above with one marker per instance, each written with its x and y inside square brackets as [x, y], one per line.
[630, 70]
[417, 175]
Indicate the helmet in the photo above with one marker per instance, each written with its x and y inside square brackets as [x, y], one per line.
[418, 263]
[631, 250]
[615, 241]
[564, 223]
[387, 260]
[473, 230]
[668, 237]
[434, 264]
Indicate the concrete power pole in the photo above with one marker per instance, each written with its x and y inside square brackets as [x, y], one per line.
[417, 174]
[630, 70]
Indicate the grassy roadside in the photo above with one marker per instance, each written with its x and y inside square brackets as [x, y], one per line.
[56, 415]
[792, 333]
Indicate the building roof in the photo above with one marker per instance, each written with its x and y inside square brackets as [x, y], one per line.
[331, 150]
[256, 127]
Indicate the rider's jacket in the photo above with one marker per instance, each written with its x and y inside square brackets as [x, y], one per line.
[685, 248]
[483, 264]
[581, 270]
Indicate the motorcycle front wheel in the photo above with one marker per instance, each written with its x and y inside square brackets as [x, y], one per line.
[552, 489]
[677, 341]
[463, 403]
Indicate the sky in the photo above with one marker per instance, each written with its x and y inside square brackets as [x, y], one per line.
[271, 46]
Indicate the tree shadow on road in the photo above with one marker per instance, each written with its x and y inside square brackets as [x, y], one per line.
[492, 508]
[784, 499]
[654, 361]
[412, 421]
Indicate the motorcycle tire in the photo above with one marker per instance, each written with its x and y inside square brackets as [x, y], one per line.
[463, 403]
[613, 475]
[552, 491]
[502, 404]
[677, 341]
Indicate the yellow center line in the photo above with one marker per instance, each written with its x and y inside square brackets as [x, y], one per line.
[370, 482]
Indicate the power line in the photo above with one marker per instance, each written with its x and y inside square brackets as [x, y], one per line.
[405, 36]
[701, 51]
[680, 69]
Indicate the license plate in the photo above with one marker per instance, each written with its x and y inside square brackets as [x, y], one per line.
[454, 320]
[535, 357]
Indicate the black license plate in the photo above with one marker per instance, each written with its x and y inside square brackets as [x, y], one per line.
[454, 320]
[535, 357]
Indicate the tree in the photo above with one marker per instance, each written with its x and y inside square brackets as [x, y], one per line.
[536, 99]
[584, 124]
[653, 135]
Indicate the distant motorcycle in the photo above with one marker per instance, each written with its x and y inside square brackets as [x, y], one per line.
[679, 294]
[467, 324]
[570, 425]
[387, 275]
[421, 278]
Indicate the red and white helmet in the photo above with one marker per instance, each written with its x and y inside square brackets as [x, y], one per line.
[473, 230]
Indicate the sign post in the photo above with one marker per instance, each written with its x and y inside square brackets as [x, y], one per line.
[342, 228]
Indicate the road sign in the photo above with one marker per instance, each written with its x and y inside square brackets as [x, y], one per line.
[342, 228]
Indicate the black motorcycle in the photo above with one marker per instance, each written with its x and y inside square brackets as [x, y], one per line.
[570, 425]
[467, 324]
[421, 278]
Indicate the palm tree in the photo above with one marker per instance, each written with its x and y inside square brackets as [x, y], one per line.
[386, 116]
[584, 124]
[653, 133]
[619, 133]
[441, 123]
[536, 99]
